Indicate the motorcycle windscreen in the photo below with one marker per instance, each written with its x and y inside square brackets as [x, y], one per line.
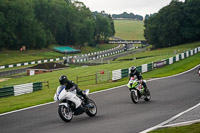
[86, 92]
[132, 83]
[58, 91]
[62, 94]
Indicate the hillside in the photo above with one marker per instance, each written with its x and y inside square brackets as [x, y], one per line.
[129, 29]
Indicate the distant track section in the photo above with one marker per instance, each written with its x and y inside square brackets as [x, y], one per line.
[127, 42]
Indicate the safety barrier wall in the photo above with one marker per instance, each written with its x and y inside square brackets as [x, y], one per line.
[20, 89]
[96, 55]
[124, 72]
[116, 74]
[7, 91]
[120, 73]
[77, 58]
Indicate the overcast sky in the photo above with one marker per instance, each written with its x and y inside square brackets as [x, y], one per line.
[140, 7]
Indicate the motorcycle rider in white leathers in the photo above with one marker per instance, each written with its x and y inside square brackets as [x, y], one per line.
[71, 85]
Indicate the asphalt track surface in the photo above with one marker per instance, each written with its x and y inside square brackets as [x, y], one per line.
[121, 54]
[116, 112]
[12, 72]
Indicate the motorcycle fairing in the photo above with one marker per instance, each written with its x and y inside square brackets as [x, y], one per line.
[132, 83]
[62, 94]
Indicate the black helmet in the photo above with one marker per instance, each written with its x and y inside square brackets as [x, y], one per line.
[63, 80]
[133, 69]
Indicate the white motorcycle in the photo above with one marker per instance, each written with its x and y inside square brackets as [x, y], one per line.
[199, 73]
[72, 104]
[137, 90]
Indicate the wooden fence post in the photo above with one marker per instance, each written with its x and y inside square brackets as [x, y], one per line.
[96, 77]
[77, 80]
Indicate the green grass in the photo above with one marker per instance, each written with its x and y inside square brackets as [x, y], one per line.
[46, 95]
[12, 57]
[194, 128]
[168, 52]
[175, 68]
[129, 30]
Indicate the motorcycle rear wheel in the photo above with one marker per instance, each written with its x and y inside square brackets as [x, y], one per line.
[65, 113]
[148, 95]
[92, 111]
[134, 98]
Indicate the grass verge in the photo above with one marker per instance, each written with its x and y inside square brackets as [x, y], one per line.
[169, 52]
[13, 57]
[129, 30]
[46, 95]
[193, 128]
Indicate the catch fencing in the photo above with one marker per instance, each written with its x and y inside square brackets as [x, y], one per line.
[99, 77]
[88, 78]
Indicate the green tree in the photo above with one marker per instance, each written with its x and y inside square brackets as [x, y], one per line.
[39, 23]
[191, 24]
[164, 28]
[84, 25]
[103, 28]
[53, 14]
[3, 34]
[112, 25]
[21, 27]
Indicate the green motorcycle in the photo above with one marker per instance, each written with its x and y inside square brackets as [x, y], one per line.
[138, 91]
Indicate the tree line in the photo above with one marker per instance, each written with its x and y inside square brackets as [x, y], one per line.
[126, 15]
[38, 23]
[177, 23]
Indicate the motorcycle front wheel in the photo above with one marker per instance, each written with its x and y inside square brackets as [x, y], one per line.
[134, 97]
[65, 113]
[92, 111]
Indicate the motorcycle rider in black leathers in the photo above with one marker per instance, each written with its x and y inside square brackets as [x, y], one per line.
[133, 73]
[71, 85]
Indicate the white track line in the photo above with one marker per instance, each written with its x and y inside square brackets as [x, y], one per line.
[176, 116]
[92, 93]
[171, 119]
[181, 123]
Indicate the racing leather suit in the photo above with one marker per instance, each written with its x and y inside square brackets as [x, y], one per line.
[139, 77]
[71, 84]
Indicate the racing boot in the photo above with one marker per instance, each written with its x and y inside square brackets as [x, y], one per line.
[86, 101]
[145, 88]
